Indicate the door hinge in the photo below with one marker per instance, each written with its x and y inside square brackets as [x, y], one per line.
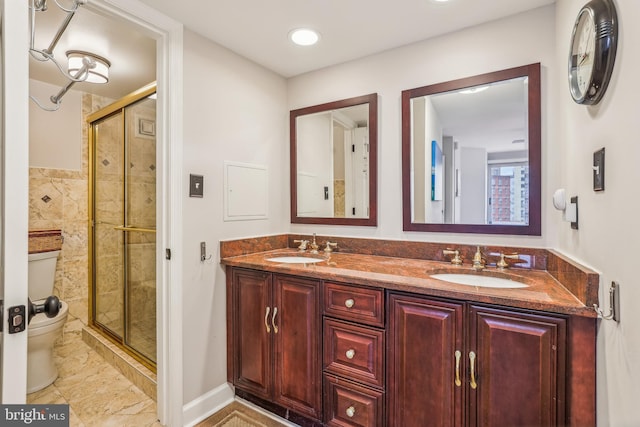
[167, 253]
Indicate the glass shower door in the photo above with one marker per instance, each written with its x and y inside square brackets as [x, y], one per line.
[124, 200]
[108, 214]
[140, 229]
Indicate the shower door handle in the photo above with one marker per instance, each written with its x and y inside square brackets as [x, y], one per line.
[138, 229]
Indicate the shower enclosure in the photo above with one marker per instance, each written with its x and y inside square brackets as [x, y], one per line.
[122, 196]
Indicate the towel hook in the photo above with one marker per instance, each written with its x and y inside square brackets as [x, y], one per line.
[614, 304]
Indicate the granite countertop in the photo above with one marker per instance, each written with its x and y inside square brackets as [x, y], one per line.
[543, 291]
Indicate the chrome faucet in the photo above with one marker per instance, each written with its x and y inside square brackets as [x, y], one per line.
[478, 260]
[456, 260]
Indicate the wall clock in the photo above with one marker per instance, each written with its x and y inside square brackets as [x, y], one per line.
[593, 51]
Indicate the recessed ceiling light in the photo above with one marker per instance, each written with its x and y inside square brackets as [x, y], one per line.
[304, 37]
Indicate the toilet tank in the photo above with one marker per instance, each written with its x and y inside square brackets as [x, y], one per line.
[42, 274]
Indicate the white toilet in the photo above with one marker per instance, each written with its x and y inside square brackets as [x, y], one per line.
[43, 331]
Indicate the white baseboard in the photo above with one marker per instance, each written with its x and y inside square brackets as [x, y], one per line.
[206, 405]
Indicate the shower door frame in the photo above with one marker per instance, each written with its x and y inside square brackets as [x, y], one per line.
[118, 107]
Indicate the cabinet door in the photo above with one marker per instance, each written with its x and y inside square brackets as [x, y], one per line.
[297, 333]
[423, 337]
[519, 368]
[251, 331]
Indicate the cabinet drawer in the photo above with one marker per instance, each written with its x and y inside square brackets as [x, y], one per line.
[355, 352]
[348, 404]
[354, 303]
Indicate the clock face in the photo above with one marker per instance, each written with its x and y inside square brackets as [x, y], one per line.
[593, 51]
[582, 55]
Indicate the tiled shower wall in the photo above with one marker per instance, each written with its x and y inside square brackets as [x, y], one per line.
[58, 200]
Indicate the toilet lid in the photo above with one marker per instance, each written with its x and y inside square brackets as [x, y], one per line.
[41, 319]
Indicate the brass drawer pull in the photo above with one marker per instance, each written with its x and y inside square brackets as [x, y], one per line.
[266, 320]
[273, 319]
[351, 411]
[349, 303]
[458, 354]
[472, 359]
[350, 353]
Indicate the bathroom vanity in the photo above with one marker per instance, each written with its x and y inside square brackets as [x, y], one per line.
[367, 337]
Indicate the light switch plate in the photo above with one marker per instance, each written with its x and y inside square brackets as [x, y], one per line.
[196, 185]
[598, 170]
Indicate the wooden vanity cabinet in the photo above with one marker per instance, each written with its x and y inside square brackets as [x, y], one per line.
[274, 339]
[463, 364]
[354, 356]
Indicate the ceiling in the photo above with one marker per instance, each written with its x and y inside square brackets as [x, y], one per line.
[349, 29]
[258, 30]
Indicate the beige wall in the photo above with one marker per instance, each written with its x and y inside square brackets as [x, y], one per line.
[234, 110]
[55, 137]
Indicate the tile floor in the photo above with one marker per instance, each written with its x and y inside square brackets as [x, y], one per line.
[238, 414]
[97, 394]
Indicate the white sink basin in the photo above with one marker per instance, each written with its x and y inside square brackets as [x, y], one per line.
[479, 280]
[294, 260]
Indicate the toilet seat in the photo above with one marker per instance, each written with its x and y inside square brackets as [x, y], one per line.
[41, 324]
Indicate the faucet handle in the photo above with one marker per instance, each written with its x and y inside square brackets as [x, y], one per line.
[456, 260]
[504, 264]
[303, 245]
[329, 246]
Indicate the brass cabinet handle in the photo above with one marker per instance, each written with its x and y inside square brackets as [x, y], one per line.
[350, 353]
[273, 319]
[472, 359]
[458, 355]
[351, 411]
[349, 303]
[266, 321]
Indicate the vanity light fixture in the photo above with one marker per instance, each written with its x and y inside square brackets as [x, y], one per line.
[99, 73]
[304, 36]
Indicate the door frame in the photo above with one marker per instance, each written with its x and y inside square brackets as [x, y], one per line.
[168, 34]
[14, 192]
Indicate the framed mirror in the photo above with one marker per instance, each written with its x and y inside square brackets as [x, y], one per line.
[334, 162]
[471, 157]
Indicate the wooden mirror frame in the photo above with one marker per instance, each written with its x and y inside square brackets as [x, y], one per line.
[532, 71]
[372, 220]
